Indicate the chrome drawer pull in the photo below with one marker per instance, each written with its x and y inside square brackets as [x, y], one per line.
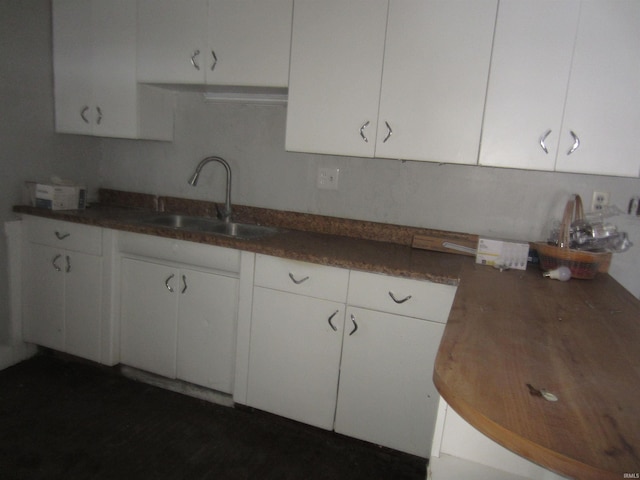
[543, 137]
[83, 114]
[364, 125]
[576, 143]
[68, 269]
[214, 60]
[355, 325]
[331, 318]
[62, 236]
[166, 282]
[296, 281]
[193, 59]
[389, 132]
[53, 262]
[184, 282]
[393, 297]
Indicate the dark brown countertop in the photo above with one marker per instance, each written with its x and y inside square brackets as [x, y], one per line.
[579, 340]
[323, 248]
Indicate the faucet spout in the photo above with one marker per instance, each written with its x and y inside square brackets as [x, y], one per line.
[193, 181]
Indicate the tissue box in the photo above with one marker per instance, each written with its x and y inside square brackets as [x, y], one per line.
[55, 197]
[502, 252]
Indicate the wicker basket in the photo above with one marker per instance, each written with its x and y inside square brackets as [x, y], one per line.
[582, 264]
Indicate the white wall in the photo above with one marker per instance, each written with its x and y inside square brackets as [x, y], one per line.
[489, 201]
[29, 148]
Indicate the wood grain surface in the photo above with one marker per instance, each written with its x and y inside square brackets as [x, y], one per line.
[579, 340]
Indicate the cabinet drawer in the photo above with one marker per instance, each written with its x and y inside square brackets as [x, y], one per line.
[413, 298]
[302, 278]
[67, 235]
[179, 251]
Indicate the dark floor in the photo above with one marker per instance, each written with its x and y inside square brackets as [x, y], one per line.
[61, 418]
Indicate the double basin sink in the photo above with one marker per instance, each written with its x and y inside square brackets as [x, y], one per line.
[207, 225]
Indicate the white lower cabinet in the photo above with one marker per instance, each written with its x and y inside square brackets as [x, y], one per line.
[179, 320]
[360, 363]
[386, 395]
[63, 287]
[295, 356]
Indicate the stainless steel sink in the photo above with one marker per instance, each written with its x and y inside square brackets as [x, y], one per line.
[208, 225]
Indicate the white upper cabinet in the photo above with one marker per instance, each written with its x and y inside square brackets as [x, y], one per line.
[221, 42]
[603, 101]
[334, 80]
[94, 61]
[436, 64]
[563, 89]
[398, 78]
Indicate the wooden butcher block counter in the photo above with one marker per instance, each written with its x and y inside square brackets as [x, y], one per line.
[513, 335]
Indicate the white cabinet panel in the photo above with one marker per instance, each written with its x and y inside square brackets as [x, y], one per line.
[94, 63]
[83, 305]
[386, 395]
[251, 40]
[334, 80]
[604, 94]
[402, 296]
[560, 67]
[436, 65]
[148, 316]
[295, 356]
[302, 278]
[43, 297]
[207, 311]
[396, 79]
[170, 34]
[63, 287]
[217, 42]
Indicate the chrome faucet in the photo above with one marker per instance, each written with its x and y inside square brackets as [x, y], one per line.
[193, 181]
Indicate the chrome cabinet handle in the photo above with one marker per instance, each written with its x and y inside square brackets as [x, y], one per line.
[389, 132]
[393, 297]
[83, 114]
[68, 269]
[333, 327]
[53, 262]
[576, 143]
[296, 281]
[543, 137]
[364, 125]
[214, 60]
[166, 282]
[193, 59]
[61, 236]
[184, 282]
[99, 117]
[355, 325]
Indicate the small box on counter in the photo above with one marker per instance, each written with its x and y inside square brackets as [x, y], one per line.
[502, 253]
[55, 197]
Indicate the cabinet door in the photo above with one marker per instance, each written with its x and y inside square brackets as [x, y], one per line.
[148, 316]
[604, 92]
[83, 304]
[114, 102]
[207, 314]
[43, 296]
[295, 356]
[386, 394]
[251, 41]
[528, 82]
[436, 65]
[172, 43]
[72, 48]
[334, 81]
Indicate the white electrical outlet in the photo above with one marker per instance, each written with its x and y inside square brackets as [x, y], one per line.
[328, 178]
[599, 200]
